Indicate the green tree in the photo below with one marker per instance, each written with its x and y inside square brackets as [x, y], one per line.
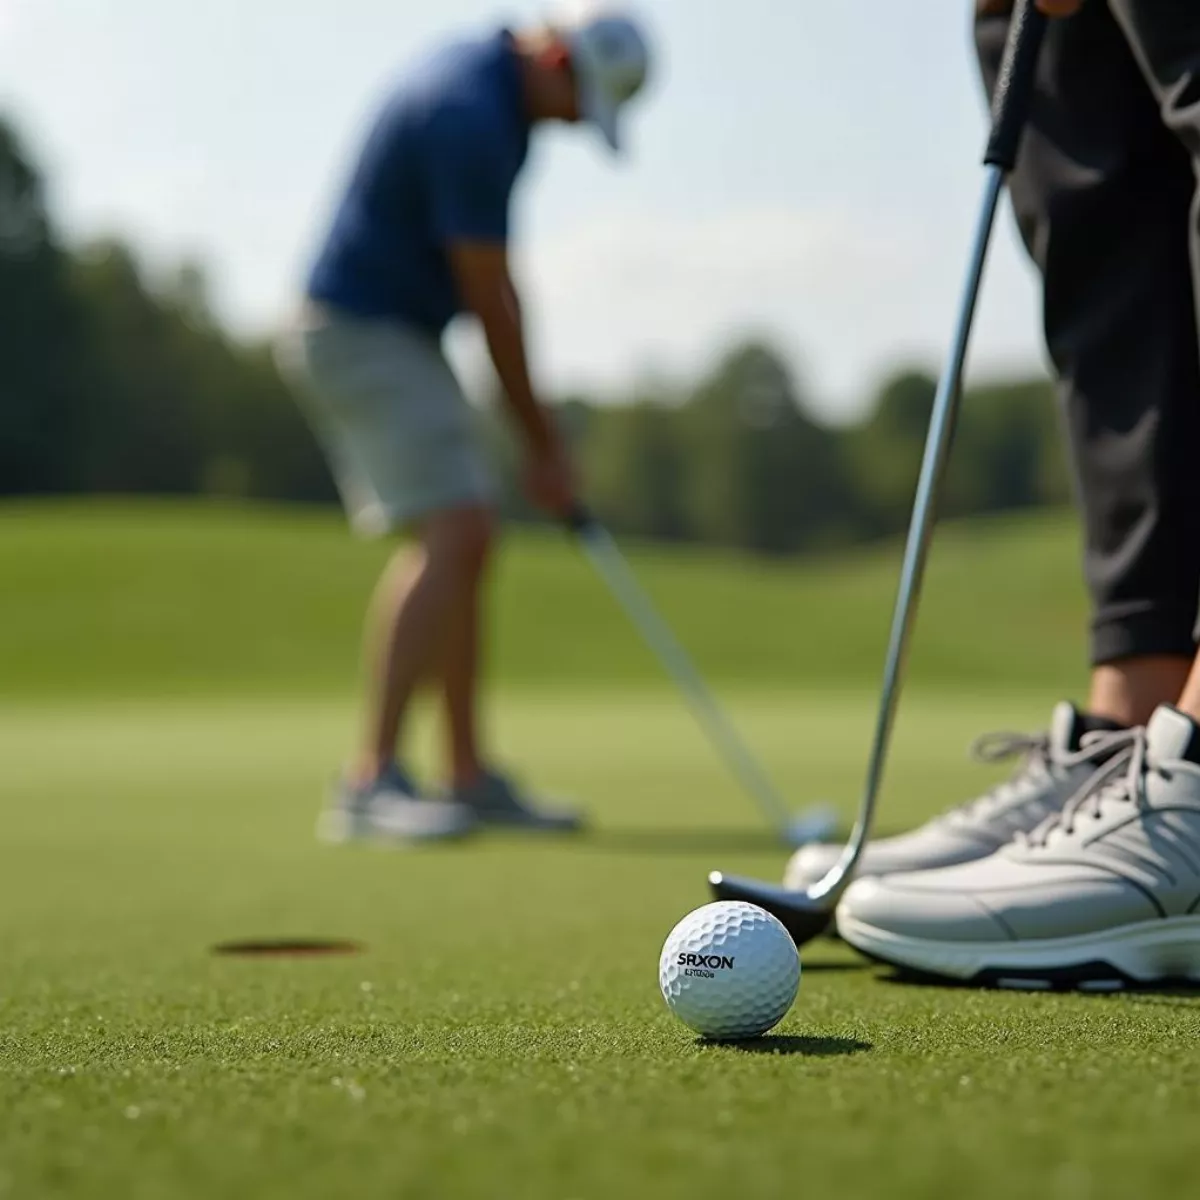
[634, 469]
[144, 413]
[884, 452]
[759, 473]
[1010, 453]
[41, 372]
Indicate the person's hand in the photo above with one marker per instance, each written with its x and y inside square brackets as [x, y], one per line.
[550, 480]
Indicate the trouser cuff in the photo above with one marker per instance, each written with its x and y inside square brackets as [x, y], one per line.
[1139, 634]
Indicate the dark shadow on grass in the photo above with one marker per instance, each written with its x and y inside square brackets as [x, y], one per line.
[1177, 994]
[784, 1044]
[915, 979]
[833, 968]
[287, 948]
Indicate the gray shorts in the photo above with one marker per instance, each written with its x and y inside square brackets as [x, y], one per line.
[390, 415]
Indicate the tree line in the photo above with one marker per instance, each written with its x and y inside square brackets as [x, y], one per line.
[114, 383]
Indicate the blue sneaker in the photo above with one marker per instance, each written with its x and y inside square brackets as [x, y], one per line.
[497, 801]
[392, 809]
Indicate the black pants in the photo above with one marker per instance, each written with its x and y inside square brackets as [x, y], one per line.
[1106, 197]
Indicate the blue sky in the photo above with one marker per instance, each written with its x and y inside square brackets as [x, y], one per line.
[805, 170]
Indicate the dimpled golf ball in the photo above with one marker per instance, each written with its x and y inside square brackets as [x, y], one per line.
[729, 971]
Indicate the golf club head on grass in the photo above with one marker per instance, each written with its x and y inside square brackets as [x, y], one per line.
[804, 917]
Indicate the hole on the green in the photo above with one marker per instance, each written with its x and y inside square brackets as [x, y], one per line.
[286, 948]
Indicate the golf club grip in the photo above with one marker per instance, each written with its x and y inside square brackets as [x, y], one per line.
[1014, 86]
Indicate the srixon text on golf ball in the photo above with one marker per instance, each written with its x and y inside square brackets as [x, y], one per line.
[704, 964]
[729, 971]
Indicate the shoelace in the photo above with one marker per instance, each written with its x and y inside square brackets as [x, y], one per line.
[996, 747]
[1032, 748]
[1035, 749]
[1122, 779]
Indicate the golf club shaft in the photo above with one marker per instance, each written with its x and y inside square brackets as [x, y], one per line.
[1010, 113]
[808, 911]
[937, 450]
[610, 564]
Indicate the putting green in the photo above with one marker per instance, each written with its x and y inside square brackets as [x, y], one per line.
[174, 695]
[501, 1032]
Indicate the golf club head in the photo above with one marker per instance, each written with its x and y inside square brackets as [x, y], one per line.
[803, 917]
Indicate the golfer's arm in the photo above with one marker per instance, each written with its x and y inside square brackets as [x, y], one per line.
[486, 288]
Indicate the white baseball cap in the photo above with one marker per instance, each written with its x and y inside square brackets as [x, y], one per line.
[611, 61]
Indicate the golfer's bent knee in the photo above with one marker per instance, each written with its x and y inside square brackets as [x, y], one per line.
[462, 538]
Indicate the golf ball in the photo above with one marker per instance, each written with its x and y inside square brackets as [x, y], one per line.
[729, 970]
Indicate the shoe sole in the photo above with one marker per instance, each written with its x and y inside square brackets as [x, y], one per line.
[1150, 952]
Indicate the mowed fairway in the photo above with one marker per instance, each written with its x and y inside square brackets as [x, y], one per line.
[176, 689]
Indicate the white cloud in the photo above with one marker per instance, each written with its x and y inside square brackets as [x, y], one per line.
[669, 293]
[9, 13]
[845, 295]
[731, 258]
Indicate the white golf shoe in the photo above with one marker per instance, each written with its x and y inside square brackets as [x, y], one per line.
[1054, 765]
[1103, 895]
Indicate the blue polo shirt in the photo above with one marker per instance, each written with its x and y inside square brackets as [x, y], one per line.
[438, 165]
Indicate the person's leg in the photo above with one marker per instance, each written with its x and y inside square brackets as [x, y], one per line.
[399, 434]
[1166, 40]
[1101, 193]
[460, 672]
[1128, 691]
[395, 426]
[415, 627]
[1189, 700]
[490, 796]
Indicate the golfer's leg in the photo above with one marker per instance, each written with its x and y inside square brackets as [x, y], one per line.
[1166, 41]
[1101, 193]
[1189, 700]
[1129, 690]
[461, 668]
[413, 623]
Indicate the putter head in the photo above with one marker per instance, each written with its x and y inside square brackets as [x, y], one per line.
[802, 916]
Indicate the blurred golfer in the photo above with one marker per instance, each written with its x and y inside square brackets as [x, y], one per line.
[420, 237]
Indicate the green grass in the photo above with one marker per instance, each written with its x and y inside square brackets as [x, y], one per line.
[116, 599]
[501, 1035]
